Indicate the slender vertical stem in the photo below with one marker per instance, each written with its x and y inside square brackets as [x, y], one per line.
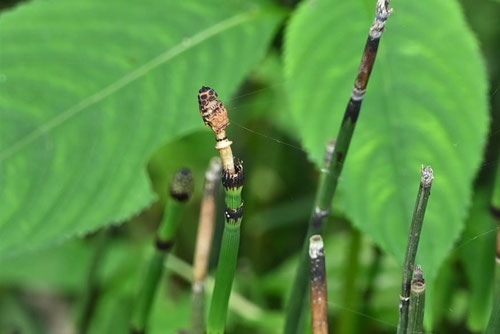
[319, 296]
[180, 191]
[295, 315]
[214, 114]
[417, 303]
[424, 192]
[203, 244]
[226, 267]
[330, 177]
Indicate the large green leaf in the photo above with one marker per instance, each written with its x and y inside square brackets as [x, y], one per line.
[88, 89]
[426, 104]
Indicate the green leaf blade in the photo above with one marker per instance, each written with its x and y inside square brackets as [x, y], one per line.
[93, 89]
[426, 103]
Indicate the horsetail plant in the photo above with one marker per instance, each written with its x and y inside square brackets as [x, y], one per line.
[214, 114]
[417, 303]
[203, 244]
[330, 175]
[297, 301]
[181, 190]
[424, 192]
[319, 297]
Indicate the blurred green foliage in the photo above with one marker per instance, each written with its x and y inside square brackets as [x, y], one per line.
[72, 162]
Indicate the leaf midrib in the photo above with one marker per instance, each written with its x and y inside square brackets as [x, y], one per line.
[185, 45]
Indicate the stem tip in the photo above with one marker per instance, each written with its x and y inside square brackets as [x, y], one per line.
[427, 176]
[383, 12]
[182, 185]
[316, 246]
[418, 283]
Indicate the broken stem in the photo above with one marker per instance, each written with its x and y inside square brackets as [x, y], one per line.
[319, 297]
[417, 303]
[424, 192]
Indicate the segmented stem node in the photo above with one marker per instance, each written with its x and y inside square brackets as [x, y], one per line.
[329, 149]
[236, 179]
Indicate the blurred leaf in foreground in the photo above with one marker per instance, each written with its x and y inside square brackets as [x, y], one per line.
[90, 88]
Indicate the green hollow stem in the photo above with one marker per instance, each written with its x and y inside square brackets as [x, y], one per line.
[180, 192]
[424, 192]
[417, 303]
[224, 279]
[331, 171]
[148, 291]
[228, 255]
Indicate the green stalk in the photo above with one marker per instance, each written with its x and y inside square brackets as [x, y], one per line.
[214, 114]
[424, 192]
[180, 191]
[331, 172]
[295, 315]
[417, 303]
[206, 228]
[228, 256]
